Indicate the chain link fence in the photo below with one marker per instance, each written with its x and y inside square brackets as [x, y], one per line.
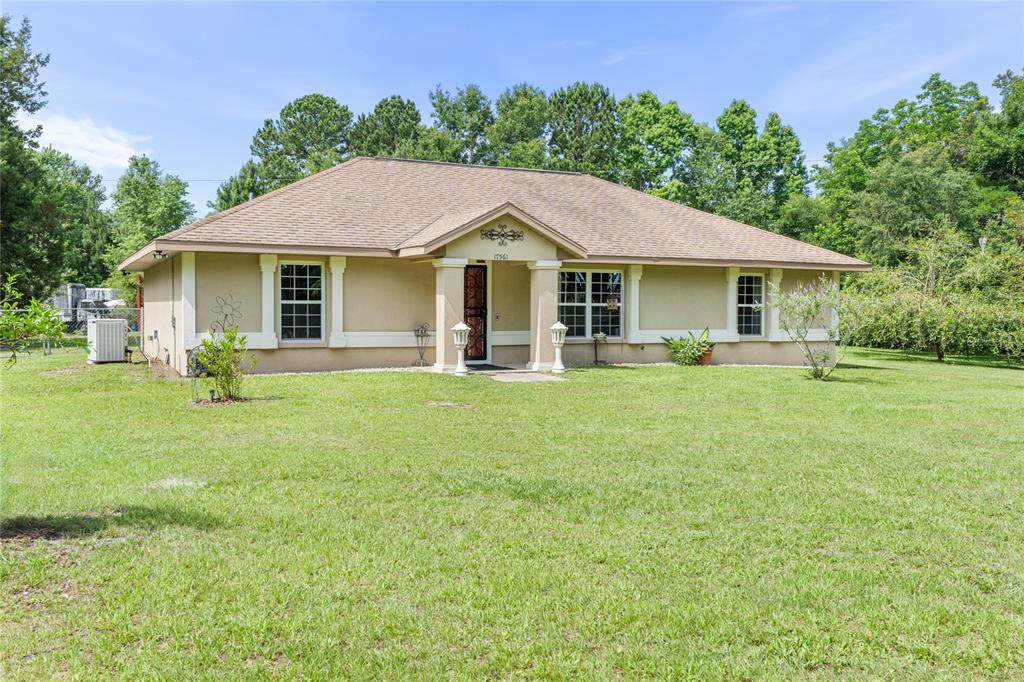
[75, 323]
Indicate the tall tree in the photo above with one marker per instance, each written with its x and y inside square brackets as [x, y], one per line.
[652, 136]
[465, 117]
[584, 129]
[31, 240]
[430, 144]
[734, 171]
[84, 224]
[518, 136]
[249, 182]
[998, 145]
[394, 122]
[913, 197]
[30, 234]
[147, 204]
[310, 134]
[941, 113]
[21, 91]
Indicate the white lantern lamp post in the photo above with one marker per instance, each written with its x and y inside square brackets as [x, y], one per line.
[558, 331]
[460, 335]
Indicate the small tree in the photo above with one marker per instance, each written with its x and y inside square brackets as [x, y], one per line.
[226, 360]
[20, 327]
[810, 307]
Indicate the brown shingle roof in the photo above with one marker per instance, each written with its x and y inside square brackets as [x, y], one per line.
[369, 203]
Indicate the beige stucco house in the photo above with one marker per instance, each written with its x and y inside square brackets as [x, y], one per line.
[336, 271]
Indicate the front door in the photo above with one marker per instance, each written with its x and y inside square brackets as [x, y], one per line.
[475, 303]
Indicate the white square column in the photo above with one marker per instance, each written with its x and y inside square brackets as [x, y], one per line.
[633, 305]
[774, 332]
[188, 300]
[543, 312]
[268, 265]
[449, 304]
[337, 264]
[732, 276]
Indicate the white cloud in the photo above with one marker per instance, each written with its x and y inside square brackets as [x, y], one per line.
[618, 56]
[102, 147]
[758, 10]
[859, 68]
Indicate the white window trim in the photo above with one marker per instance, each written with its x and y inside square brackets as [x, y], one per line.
[280, 304]
[589, 305]
[736, 304]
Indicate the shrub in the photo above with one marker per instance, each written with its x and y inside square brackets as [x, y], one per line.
[226, 360]
[810, 307]
[956, 323]
[689, 351]
[20, 327]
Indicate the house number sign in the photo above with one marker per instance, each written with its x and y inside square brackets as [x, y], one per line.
[503, 235]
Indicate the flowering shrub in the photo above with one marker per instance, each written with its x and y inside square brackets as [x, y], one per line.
[812, 307]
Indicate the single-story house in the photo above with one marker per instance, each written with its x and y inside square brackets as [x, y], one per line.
[337, 270]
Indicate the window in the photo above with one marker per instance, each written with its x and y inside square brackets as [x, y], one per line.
[750, 305]
[590, 302]
[301, 302]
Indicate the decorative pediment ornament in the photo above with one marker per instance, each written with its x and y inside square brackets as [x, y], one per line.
[502, 234]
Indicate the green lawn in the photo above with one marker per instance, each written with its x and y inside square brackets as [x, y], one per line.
[718, 522]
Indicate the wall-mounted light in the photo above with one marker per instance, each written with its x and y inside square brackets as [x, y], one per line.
[159, 255]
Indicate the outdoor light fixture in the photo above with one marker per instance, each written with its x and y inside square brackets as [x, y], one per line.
[460, 334]
[422, 334]
[159, 255]
[558, 340]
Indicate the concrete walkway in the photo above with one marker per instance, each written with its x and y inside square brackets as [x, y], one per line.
[523, 377]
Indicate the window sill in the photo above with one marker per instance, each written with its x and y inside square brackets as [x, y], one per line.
[590, 339]
[299, 343]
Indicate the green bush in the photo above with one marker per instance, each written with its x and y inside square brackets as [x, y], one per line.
[20, 326]
[225, 359]
[688, 351]
[961, 324]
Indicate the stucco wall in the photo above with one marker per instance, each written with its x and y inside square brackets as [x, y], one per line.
[682, 297]
[333, 359]
[388, 295]
[531, 247]
[158, 336]
[793, 278]
[741, 353]
[510, 297]
[229, 276]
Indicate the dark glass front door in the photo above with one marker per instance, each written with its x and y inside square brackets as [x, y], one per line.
[475, 304]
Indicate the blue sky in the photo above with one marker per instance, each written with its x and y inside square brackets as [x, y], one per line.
[189, 83]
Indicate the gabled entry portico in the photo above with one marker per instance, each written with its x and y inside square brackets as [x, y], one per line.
[470, 247]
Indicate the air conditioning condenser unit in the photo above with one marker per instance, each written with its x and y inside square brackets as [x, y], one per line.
[107, 340]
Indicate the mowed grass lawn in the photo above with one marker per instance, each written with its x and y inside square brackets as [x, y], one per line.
[661, 522]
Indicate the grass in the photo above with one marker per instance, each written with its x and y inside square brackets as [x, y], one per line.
[720, 522]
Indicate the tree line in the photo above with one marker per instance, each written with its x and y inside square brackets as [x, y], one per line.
[930, 190]
[732, 167]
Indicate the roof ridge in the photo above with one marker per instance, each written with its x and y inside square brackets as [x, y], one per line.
[471, 165]
[173, 234]
[722, 217]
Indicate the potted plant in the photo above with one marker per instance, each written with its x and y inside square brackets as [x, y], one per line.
[695, 350]
[705, 345]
